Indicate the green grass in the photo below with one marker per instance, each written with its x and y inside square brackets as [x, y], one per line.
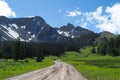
[11, 68]
[93, 66]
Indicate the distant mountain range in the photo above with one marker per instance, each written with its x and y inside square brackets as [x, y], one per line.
[35, 29]
[27, 29]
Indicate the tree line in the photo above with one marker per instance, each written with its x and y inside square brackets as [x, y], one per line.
[21, 50]
[109, 47]
[18, 50]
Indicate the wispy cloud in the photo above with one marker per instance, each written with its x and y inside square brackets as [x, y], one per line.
[5, 10]
[105, 20]
[82, 23]
[60, 10]
[73, 13]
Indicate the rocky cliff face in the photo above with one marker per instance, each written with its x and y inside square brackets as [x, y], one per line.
[27, 29]
[35, 29]
[71, 31]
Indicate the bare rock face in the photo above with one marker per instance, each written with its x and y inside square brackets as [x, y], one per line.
[27, 29]
[35, 29]
[71, 31]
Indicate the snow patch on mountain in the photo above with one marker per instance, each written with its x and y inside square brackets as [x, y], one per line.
[13, 25]
[23, 27]
[30, 39]
[4, 38]
[42, 28]
[22, 39]
[11, 33]
[73, 37]
[29, 32]
[32, 28]
[30, 16]
[65, 33]
[60, 32]
[8, 34]
[33, 35]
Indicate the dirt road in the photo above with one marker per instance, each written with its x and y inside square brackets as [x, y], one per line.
[59, 71]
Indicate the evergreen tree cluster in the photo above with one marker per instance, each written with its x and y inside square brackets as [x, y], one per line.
[111, 47]
[20, 50]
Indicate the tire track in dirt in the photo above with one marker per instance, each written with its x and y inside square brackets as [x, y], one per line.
[59, 71]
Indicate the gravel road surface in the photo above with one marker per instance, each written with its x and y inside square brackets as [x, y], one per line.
[59, 71]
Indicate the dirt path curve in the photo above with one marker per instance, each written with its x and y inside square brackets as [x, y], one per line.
[59, 71]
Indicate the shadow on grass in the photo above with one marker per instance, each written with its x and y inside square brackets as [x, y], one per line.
[101, 63]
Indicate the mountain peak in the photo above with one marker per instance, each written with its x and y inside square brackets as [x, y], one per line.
[38, 18]
[3, 17]
[70, 25]
[67, 27]
[32, 28]
[71, 31]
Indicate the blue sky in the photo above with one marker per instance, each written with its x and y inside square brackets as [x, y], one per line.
[60, 12]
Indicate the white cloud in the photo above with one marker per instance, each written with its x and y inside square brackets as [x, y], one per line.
[108, 20]
[60, 10]
[5, 10]
[78, 8]
[114, 14]
[73, 13]
[82, 23]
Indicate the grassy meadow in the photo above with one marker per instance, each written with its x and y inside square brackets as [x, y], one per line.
[11, 68]
[93, 66]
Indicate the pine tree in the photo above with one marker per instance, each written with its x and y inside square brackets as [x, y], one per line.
[16, 51]
[93, 50]
[40, 55]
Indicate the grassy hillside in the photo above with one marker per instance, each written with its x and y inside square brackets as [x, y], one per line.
[11, 68]
[92, 66]
[103, 36]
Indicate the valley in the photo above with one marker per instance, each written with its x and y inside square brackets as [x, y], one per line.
[59, 40]
[28, 44]
[91, 66]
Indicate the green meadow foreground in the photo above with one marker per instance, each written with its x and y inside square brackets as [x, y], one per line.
[94, 67]
[91, 66]
[11, 68]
